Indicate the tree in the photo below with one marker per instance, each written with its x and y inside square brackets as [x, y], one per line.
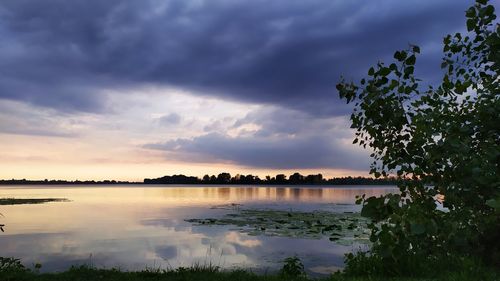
[206, 178]
[224, 178]
[280, 178]
[296, 178]
[441, 140]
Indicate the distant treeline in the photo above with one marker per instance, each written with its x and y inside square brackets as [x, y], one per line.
[296, 178]
[224, 178]
[77, 182]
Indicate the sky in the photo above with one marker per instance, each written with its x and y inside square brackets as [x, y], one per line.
[125, 90]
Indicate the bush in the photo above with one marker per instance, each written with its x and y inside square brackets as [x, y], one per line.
[442, 141]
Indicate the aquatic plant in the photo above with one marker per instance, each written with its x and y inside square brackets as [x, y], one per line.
[20, 201]
[341, 228]
[2, 225]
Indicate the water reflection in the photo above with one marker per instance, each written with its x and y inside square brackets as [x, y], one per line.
[139, 226]
[297, 194]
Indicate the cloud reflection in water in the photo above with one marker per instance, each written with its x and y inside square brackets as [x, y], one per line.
[135, 227]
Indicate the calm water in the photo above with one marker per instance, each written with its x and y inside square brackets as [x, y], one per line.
[133, 227]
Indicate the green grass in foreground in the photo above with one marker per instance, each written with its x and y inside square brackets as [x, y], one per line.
[196, 273]
[85, 273]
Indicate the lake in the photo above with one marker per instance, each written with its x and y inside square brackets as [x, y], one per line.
[137, 226]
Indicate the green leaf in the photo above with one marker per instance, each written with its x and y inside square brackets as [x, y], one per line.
[471, 12]
[384, 71]
[400, 55]
[494, 203]
[417, 229]
[489, 10]
[471, 24]
[411, 60]
[397, 55]
[409, 70]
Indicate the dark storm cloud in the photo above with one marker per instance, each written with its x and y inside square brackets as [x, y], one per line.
[62, 54]
[282, 122]
[280, 139]
[277, 153]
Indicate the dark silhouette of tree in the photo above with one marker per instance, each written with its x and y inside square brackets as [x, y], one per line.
[213, 179]
[296, 178]
[175, 179]
[314, 179]
[224, 178]
[280, 179]
[206, 179]
[444, 140]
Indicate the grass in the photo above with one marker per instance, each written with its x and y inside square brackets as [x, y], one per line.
[13, 270]
[20, 201]
[201, 274]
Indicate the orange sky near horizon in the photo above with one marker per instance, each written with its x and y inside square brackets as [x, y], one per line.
[136, 172]
[45, 144]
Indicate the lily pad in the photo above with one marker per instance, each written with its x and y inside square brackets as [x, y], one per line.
[341, 228]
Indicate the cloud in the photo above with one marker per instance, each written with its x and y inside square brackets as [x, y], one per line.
[237, 239]
[18, 118]
[282, 139]
[285, 122]
[244, 82]
[166, 252]
[170, 119]
[274, 153]
[63, 55]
